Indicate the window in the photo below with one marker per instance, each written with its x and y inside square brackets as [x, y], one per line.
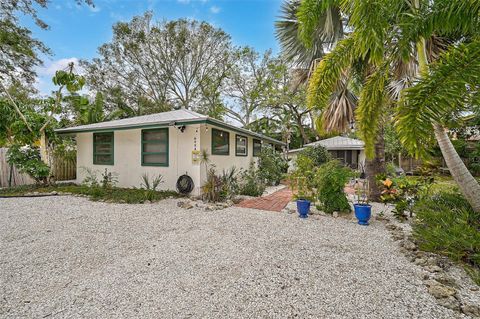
[220, 142]
[257, 147]
[103, 148]
[241, 145]
[155, 147]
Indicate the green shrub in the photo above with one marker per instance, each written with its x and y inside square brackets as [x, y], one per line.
[250, 182]
[220, 187]
[271, 165]
[318, 154]
[330, 180]
[91, 179]
[114, 194]
[28, 161]
[150, 186]
[302, 180]
[446, 224]
[404, 192]
[229, 180]
[109, 179]
[391, 169]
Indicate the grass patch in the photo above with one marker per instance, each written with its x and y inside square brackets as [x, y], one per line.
[114, 194]
[447, 225]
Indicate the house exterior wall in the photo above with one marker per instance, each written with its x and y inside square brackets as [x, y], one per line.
[224, 162]
[127, 158]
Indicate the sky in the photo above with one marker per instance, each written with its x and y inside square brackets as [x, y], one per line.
[76, 31]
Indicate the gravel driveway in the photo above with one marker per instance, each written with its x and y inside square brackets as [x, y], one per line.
[67, 257]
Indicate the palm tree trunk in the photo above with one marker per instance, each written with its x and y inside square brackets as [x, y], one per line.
[376, 166]
[469, 187]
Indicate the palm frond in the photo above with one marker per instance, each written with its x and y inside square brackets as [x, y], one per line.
[328, 72]
[447, 17]
[319, 20]
[438, 21]
[328, 29]
[371, 104]
[445, 90]
[340, 111]
[372, 22]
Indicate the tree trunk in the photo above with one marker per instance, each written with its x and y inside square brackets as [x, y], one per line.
[376, 166]
[469, 187]
[43, 148]
[302, 132]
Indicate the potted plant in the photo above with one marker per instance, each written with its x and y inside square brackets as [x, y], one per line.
[303, 198]
[363, 210]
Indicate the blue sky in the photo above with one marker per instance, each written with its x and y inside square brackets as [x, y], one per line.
[77, 31]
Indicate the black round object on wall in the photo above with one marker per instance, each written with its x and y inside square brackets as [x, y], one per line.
[185, 184]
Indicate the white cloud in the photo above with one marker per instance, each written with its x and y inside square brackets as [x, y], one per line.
[214, 9]
[44, 83]
[50, 67]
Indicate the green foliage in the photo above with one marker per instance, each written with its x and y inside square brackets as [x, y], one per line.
[391, 169]
[151, 186]
[318, 154]
[91, 179]
[114, 195]
[153, 183]
[438, 95]
[71, 81]
[371, 105]
[229, 180]
[109, 179]
[27, 160]
[329, 72]
[20, 51]
[446, 224]
[271, 165]
[319, 20]
[302, 179]
[213, 188]
[404, 192]
[65, 148]
[461, 147]
[250, 182]
[330, 181]
[393, 146]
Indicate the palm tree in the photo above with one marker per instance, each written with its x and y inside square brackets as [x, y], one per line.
[338, 115]
[445, 84]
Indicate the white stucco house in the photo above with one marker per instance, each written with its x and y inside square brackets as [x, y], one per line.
[167, 143]
[349, 151]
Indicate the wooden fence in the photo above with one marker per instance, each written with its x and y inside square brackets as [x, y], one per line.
[62, 170]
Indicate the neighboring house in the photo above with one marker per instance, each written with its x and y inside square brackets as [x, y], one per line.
[349, 151]
[166, 143]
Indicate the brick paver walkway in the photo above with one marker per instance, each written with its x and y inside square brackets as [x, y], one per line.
[274, 202]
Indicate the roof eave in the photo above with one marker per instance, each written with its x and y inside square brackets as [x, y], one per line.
[73, 130]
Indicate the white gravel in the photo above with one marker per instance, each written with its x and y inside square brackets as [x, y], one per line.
[67, 257]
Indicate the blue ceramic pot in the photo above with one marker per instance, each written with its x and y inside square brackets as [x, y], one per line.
[303, 207]
[363, 212]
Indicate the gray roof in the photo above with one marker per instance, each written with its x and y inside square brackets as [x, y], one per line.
[336, 143]
[176, 117]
